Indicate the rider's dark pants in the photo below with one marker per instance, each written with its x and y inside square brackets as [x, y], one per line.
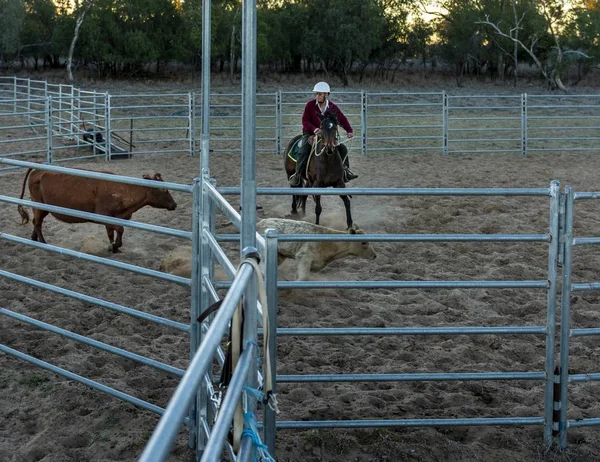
[343, 150]
[303, 155]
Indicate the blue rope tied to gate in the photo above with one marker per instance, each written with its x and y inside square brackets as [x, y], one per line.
[259, 395]
[262, 453]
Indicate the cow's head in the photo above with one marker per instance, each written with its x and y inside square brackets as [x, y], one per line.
[160, 198]
[361, 249]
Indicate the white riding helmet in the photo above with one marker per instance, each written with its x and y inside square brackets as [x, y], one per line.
[322, 87]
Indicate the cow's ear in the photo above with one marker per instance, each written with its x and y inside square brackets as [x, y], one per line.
[158, 177]
[146, 176]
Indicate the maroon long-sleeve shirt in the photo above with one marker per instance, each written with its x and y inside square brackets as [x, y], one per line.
[312, 117]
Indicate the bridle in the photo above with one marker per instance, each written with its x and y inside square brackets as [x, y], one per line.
[333, 138]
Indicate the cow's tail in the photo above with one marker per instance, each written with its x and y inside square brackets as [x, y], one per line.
[20, 208]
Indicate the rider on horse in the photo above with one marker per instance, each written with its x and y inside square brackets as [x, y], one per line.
[314, 112]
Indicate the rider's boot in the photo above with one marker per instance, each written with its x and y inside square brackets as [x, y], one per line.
[348, 174]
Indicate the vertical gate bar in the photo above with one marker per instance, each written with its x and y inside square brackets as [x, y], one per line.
[212, 220]
[551, 310]
[444, 124]
[60, 108]
[72, 111]
[561, 230]
[191, 125]
[28, 101]
[272, 302]
[49, 128]
[363, 122]
[15, 94]
[206, 48]
[194, 426]
[205, 255]
[565, 321]
[248, 193]
[524, 124]
[107, 139]
[278, 121]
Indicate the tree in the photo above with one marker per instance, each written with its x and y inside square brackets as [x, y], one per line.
[38, 27]
[550, 18]
[84, 8]
[341, 32]
[419, 40]
[583, 33]
[12, 15]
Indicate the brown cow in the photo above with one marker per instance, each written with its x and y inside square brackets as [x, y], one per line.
[103, 197]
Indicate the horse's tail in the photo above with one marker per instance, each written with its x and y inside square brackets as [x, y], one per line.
[20, 208]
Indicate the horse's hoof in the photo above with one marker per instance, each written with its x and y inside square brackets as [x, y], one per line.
[294, 212]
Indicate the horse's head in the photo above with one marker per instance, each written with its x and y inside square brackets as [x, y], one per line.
[329, 131]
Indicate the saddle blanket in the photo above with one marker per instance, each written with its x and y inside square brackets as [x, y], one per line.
[295, 150]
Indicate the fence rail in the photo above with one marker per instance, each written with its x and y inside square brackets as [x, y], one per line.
[60, 121]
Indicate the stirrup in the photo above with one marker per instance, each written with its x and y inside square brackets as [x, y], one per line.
[349, 175]
[295, 179]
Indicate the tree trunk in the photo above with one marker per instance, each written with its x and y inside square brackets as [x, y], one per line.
[78, 23]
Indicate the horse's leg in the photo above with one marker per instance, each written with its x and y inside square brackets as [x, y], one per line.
[303, 207]
[318, 208]
[294, 208]
[346, 200]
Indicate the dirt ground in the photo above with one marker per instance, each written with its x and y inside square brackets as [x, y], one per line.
[45, 417]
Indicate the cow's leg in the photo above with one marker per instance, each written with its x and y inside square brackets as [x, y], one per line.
[119, 241]
[318, 208]
[110, 232]
[38, 219]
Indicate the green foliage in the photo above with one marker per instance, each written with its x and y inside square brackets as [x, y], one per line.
[131, 36]
[38, 27]
[12, 16]
[583, 33]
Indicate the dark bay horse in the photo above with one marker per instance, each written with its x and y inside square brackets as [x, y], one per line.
[325, 167]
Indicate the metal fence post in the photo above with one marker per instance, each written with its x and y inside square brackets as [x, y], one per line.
[49, 128]
[444, 124]
[565, 318]
[272, 302]
[107, 140]
[28, 101]
[524, 124]
[15, 94]
[363, 122]
[72, 111]
[191, 124]
[60, 108]
[195, 301]
[205, 256]
[278, 122]
[553, 253]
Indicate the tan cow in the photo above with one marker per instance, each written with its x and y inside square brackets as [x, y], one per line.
[314, 256]
[91, 195]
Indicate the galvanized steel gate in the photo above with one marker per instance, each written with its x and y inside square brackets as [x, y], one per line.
[560, 243]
